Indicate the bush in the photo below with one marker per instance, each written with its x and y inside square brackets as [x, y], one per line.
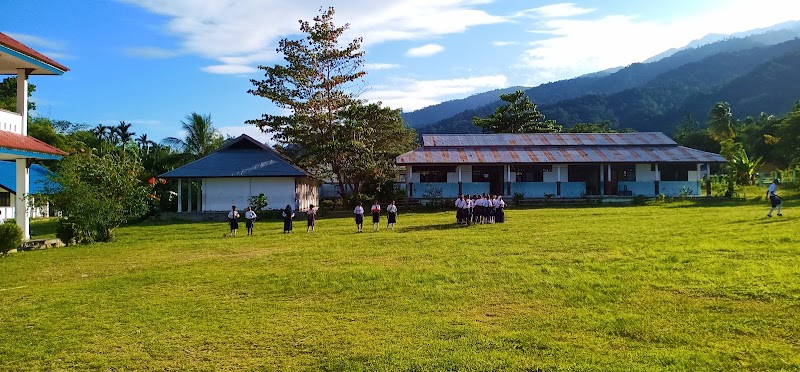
[71, 233]
[258, 202]
[518, 197]
[10, 237]
[639, 200]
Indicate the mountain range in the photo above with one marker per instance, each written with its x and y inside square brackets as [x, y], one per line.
[753, 71]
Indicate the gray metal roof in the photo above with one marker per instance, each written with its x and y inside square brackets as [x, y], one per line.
[557, 154]
[547, 139]
[242, 157]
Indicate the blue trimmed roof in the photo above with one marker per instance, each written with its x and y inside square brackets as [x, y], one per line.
[38, 177]
[242, 157]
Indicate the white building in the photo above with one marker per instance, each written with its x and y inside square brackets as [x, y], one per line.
[15, 145]
[240, 169]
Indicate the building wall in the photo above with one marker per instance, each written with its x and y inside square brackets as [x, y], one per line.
[220, 193]
[307, 191]
[8, 211]
[10, 122]
[644, 174]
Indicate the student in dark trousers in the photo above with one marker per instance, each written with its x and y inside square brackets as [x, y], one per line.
[233, 220]
[249, 218]
[376, 215]
[391, 215]
[774, 200]
[359, 212]
[287, 214]
[312, 217]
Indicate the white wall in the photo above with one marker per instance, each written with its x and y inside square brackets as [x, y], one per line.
[10, 122]
[644, 174]
[553, 176]
[220, 193]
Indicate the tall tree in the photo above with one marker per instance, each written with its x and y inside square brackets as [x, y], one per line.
[144, 143]
[720, 122]
[201, 137]
[122, 130]
[316, 83]
[518, 115]
[8, 94]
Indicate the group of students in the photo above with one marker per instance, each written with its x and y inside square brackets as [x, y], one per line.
[480, 209]
[287, 214]
[375, 210]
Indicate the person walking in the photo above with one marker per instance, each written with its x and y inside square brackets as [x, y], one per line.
[359, 212]
[772, 194]
[500, 214]
[249, 219]
[312, 217]
[287, 214]
[233, 220]
[376, 215]
[391, 215]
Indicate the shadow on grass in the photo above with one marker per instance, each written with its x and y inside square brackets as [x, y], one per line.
[439, 227]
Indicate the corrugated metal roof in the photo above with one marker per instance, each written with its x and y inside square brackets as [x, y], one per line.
[557, 154]
[547, 139]
[38, 177]
[243, 157]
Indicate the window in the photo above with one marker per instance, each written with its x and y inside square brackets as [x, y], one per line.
[433, 174]
[531, 173]
[5, 199]
[628, 173]
[676, 172]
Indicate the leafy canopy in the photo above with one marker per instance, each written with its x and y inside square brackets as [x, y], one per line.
[518, 115]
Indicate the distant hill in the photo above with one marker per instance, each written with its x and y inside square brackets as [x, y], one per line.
[664, 82]
[447, 109]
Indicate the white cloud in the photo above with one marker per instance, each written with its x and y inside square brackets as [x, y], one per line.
[569, 47]
[562, 10]
[150, 52]
[426, 50]
[250, 130]
[36, 41]
[249, 31]
[380, 66]
[230, 69]
[415, 94]
[504, 43]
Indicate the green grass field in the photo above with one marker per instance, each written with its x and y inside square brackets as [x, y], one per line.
[676, 286]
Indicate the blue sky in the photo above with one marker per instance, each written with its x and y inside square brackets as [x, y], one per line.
[152, 62]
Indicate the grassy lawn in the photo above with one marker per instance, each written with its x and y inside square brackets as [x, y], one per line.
[676, 286]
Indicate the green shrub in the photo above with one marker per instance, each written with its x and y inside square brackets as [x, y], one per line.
[70, 233]
[258, 202]
[10, 237]
[639, 200]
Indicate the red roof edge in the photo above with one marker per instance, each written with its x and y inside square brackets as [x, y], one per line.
[7, 41]
[16, 141]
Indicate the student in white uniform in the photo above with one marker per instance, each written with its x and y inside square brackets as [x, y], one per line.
[772, 194]
[459, 202]
[233, 220]
[376, 215]
[359, 212]
[249, 219]
[391, 215]
[311, 213]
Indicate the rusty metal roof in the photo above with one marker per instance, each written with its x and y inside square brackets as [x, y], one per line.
[558, 154]
[547, 139]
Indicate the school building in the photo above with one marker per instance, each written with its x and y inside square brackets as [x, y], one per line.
[560, 165]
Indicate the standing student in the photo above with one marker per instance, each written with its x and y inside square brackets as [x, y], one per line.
[459, 203]
[249, 219]
[500, 214]
[233, 220]
[359, 212]
[475, 211]
[287, 214]
[312, 217]
[772, 194]
[2, 220]
[465, 207]
[376, 215]
[391, 215]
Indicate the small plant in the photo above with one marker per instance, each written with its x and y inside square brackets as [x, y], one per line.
[549, 196]
[433, 192]
[518, 197]
[639, 200]
[258, 202]
[10, 237]
[686, 191]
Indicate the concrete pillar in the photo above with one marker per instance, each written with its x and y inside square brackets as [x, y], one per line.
[198, 198]
[22, 98]
[189, 198]
[20, 204]
[508, 179]
[558, 180]
[602, 180]
[658, 179]
[180, 196]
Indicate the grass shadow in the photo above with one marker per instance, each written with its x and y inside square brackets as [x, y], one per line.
[438, 227]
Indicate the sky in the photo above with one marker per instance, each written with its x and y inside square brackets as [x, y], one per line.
[153, 62]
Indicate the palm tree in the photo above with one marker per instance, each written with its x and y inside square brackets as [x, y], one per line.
[122, 130]
[101, 131]
[201, 137]
[720, 122]
[144, 143]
